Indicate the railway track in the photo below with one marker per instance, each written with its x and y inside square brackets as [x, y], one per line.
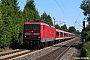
[13, 54]
[57, 51]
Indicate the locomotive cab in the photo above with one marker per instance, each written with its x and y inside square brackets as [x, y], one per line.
[31, 35]
[32, 31]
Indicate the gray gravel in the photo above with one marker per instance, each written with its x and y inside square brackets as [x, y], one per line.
[69, 53]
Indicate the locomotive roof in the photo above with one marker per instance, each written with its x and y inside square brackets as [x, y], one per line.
[36, 23]
[41, 23]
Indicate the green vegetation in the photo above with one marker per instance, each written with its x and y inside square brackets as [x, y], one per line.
[85, 6]
[57, 26]
[46, 18]
[64, 27]
[10, 24]
[30, 12]
[72, 29]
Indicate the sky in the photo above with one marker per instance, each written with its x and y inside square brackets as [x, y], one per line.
[64, 11]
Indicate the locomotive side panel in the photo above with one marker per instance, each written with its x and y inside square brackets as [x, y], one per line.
[48, 34]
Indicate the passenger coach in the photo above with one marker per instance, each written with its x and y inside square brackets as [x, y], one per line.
[63, 35]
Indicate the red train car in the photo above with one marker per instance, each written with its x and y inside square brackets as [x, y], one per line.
[38, 33]
[59, 34]
[63, 35]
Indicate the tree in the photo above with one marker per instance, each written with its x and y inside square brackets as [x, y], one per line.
[85, 6]
[77, 32]
[57, 26]
[87, 32]
[49, 20]
[11, 20]
[30, 12]
[72, 29]
[46, 18]
[43, 17]
[2, 44]
[64, 27]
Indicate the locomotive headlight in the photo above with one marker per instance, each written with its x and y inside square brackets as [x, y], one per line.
[31, 31]
[38, 37]
[25, 36]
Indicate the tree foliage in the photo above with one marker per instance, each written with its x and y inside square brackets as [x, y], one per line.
[49, 20]
[46, 18]
[77, 32]
[72, 29]
[87, 32]
[85, 6]
[64, 27]
[11, 22]
[57, 26]
[30, 12]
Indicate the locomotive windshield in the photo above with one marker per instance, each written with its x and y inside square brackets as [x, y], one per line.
[32, 27]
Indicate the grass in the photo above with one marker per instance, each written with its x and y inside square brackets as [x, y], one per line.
[6, 49]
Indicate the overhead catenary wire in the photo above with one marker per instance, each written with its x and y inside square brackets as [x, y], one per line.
[64, 8]
[66, 11]
[44, 9]
[61, 9]
[78, 23]
[78, 16]
[77, 20]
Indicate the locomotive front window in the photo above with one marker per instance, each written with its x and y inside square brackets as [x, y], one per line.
[32, 27]
[36, 27]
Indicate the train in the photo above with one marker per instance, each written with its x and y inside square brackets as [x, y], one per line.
[39, 34]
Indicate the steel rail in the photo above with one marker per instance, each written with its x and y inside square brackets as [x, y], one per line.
[13, 54]
[61, 54]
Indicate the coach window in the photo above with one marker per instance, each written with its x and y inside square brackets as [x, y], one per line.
[69, 35]
[64, 34]
[61, 34]
[57, 33]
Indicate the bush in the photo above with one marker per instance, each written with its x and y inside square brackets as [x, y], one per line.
[88, 35]
[87, 48]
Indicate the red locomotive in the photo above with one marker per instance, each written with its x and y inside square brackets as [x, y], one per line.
[38, 34]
